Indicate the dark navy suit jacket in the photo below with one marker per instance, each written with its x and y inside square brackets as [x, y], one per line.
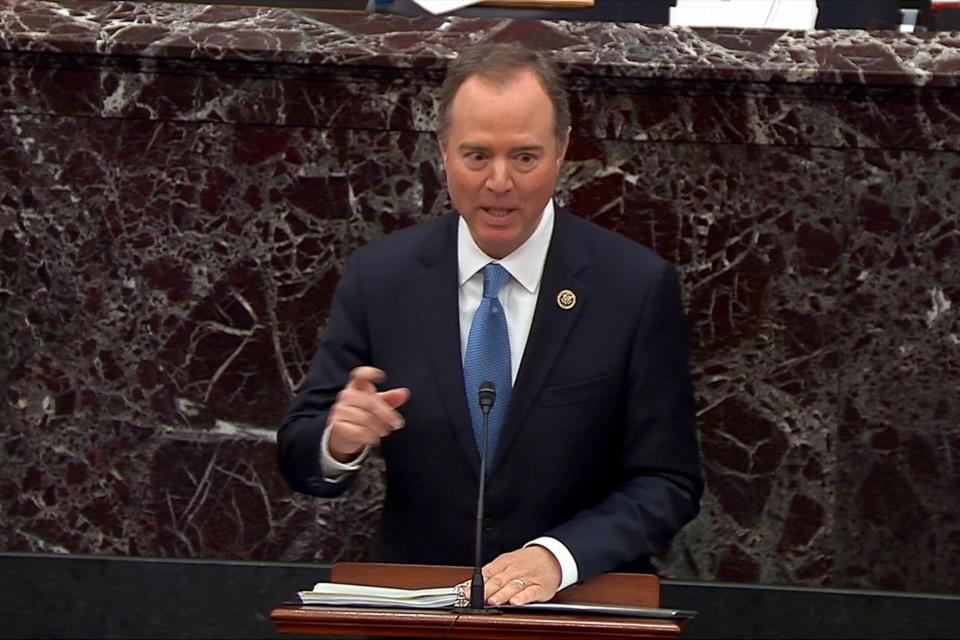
[599, 446]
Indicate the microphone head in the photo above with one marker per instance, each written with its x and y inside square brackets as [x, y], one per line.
[487, 394]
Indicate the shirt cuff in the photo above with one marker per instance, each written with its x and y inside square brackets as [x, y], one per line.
[331, 469]
[569, 573]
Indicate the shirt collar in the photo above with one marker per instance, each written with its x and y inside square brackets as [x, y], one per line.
[526, 262]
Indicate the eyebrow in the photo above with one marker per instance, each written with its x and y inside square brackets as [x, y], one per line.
[466, 146]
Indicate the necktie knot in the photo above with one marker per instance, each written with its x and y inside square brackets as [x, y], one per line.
[494, 277]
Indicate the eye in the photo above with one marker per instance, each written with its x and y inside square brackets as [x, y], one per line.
[474, 158]
[526, 159]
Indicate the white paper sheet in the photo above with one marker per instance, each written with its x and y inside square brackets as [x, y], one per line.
[436, 7]
[766, 14]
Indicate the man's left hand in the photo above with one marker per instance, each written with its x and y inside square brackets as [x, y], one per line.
[526, 575]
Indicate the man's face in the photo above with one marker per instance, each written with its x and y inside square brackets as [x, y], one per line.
[502, 159]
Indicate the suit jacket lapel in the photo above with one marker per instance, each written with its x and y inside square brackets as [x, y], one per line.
[435, 291]
[551, 324]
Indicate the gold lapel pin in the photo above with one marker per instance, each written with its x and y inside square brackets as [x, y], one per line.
[566, 299]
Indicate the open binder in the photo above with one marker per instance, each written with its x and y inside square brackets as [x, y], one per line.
[607, 606]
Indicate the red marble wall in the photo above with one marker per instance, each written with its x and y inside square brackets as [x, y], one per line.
[180, 187]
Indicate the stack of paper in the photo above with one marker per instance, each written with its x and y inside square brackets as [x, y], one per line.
[336, 594]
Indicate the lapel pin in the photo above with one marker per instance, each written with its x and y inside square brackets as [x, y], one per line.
[566, 299]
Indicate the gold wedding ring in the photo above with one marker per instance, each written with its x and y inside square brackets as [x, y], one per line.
[519, 581]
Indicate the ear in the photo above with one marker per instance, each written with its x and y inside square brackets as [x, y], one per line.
[443, 152]
[562, 151]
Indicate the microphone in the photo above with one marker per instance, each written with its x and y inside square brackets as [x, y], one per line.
[486, 396]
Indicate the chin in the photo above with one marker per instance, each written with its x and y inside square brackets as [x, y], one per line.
[497, 246]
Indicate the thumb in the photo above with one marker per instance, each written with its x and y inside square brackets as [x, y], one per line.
[395, 397]
[366, 379]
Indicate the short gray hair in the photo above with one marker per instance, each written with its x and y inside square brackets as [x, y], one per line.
[500, 63]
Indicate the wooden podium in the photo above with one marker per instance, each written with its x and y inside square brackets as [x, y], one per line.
[639, 590]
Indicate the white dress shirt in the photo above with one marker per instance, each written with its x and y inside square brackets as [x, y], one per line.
[519, 299]
[518, 296]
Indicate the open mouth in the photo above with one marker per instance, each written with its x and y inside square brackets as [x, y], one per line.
[497, 212]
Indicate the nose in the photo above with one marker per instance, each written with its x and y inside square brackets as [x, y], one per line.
[499, 180]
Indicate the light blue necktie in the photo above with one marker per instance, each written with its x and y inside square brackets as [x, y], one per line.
[488, 357]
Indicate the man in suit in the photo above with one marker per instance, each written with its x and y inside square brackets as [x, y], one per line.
[594, 463]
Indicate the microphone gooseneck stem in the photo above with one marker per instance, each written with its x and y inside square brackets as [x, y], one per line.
[476, 583]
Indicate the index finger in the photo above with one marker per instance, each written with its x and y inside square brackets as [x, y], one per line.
[366, 378]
